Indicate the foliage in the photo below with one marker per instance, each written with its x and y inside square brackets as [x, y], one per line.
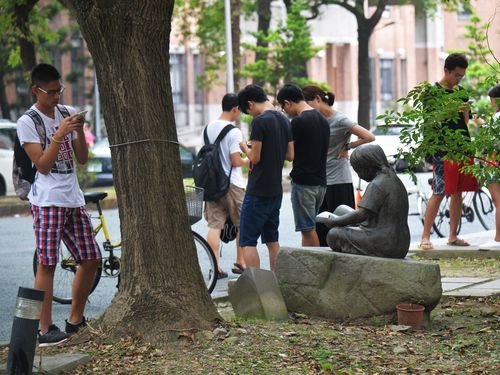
[289, 47]
[427, 107]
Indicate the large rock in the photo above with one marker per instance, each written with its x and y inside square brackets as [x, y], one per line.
[256, 294]
[320, 282]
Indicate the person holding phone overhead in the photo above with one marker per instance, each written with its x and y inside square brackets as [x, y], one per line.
[339, 190]
[56, 200]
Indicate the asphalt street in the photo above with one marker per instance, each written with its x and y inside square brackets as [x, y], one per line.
[17, 246]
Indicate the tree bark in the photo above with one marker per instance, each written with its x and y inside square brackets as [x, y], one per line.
[235, 38]
[4, 105]
[263, 24]
[161, 287]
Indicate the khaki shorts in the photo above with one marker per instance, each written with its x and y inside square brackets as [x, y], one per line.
[217, 212]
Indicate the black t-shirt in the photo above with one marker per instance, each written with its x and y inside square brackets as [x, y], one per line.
[273, 130]
[311, 134]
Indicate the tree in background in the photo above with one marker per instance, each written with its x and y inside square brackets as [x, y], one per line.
[161, 290]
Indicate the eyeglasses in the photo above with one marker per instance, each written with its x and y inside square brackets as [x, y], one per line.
[52, 92]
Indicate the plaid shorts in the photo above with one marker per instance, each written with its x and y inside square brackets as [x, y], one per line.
[72, 225]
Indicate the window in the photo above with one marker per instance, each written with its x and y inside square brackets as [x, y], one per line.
[404, 80]
[387, 79]
[198, 92]
[463, 14]
[75, 77]
[177, 74]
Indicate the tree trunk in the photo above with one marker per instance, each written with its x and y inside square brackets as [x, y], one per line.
[161, 288]
[235, 38]
[263, 24]
[364, 77]
[4, 105]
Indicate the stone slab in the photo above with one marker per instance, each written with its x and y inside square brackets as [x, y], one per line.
[55, 364]
[494, 284]
[320, 282]
[256, 295]
[472, 292]
[471, 280]
[452, 286]
[470, 252]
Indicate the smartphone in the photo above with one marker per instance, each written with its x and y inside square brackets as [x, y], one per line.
[82, 113]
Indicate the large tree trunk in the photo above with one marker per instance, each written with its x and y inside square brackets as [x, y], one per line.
[161, 287]
[263, 24]
[4, 105]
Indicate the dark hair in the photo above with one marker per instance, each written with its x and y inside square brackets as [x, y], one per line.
[251, 93]
[291, 93]
[494, 92]
[311, 92]
[44, 73]
[455, 60]
[229, 101]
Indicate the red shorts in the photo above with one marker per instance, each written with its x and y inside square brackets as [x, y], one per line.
[72, 225]
[456, 181]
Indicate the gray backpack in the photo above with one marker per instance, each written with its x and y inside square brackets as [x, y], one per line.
[23, 170]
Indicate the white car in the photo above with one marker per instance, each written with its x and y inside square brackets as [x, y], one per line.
[7, 137]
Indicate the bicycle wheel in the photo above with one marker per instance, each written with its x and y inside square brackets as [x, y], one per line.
[442, 221]
[206, 259]
[64, 275]
[485, 209]
[421, 207]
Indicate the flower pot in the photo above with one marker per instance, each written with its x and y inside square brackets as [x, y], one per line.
[410, 314]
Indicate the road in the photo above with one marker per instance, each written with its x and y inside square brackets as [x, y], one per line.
[17, 244]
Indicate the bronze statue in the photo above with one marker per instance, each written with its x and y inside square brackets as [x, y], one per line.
[382, 214]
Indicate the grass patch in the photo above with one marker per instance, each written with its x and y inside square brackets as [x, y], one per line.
[463, 339]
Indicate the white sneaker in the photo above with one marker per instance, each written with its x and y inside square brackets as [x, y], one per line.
[490, 245]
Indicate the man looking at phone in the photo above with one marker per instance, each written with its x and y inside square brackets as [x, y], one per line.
[271, 144]
[447, 179]
[56, 200]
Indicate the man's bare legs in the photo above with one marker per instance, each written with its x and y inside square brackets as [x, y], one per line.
[494, 189]
[455, 215]
[430, 216]
[213, 239]
[240, 259]
[82, 284]
[44, 280]
[310, 238]
[252, 258]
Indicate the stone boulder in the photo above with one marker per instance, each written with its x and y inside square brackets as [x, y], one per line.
[323, 283]
[256, 295]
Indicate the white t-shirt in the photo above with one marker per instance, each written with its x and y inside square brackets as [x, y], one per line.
[60, 186]
[229, 145]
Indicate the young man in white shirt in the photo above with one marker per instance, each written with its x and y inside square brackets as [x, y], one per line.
[229, 205]
[56, 200]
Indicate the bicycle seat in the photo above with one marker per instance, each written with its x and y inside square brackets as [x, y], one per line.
[94, 197]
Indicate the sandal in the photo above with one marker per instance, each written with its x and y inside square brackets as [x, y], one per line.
[425, 245]
[221, 274]
[238, 269]
[458, 242]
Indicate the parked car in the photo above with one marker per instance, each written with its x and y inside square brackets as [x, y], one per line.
[7, 137]
[387, 137]
[100, 163]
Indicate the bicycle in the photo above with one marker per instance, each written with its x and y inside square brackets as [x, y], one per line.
[111, 264]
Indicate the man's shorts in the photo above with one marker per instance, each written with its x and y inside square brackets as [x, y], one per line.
[260, 217]
[437, 176]
[306, 201]
[72, 225]
[448, 179]
[230, 204]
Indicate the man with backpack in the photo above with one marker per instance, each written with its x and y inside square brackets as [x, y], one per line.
[227, 139]
[271, 144]
[56, 200]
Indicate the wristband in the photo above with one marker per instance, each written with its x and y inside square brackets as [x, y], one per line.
[56, 141]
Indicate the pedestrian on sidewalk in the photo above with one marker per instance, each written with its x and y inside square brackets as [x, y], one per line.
[311, 134]
[494, 185]
[447, 178]
[270, 145]
[56, 200]
[339, 190]
[217, 212]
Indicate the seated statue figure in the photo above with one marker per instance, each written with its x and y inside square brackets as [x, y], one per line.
[381, 218]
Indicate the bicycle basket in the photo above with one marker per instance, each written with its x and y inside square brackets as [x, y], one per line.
[194, 202]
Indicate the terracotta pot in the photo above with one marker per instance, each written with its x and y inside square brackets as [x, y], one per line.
[410, 314]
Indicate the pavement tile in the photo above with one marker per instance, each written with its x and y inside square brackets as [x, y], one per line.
[463, 280]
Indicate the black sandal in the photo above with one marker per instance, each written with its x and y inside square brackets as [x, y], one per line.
[237, 269]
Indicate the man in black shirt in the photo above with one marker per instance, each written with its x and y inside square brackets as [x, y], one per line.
[271, 143]
[311, 136]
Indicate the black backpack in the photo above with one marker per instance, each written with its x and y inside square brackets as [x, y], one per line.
[208, 172]
[23, 170]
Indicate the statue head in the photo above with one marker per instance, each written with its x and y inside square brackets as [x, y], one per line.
[368, 160]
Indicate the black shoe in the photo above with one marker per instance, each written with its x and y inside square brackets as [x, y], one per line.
[74, 328]
[53, 336]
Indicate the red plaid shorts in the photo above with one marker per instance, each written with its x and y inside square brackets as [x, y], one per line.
[72, 225]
